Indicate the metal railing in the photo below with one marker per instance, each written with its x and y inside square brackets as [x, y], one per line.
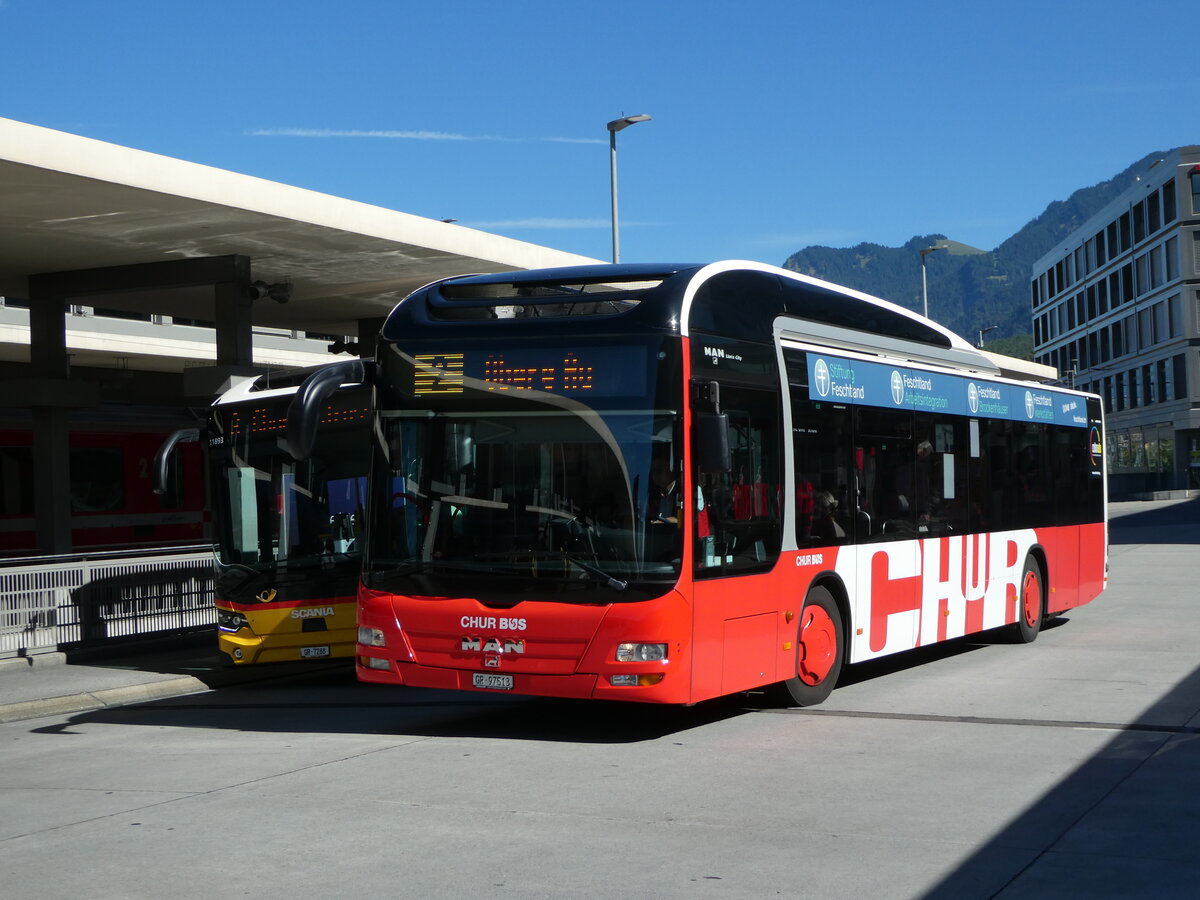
[51, 602]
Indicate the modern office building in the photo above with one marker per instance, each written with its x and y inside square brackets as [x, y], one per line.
[1116, 309]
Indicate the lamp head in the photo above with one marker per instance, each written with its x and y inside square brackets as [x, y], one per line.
[625, 121]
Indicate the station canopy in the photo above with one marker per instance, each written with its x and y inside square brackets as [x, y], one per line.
[71, 203]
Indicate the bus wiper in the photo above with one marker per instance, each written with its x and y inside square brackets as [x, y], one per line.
[599, 574]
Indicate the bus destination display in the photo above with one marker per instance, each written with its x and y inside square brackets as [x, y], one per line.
[607, 371]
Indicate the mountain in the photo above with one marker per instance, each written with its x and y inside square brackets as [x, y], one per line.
[969, 289]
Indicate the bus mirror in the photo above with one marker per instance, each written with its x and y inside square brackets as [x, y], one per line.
[163, 457]
[304, 413]
[712, 443]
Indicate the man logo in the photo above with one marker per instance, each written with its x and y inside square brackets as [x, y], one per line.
[492, 645]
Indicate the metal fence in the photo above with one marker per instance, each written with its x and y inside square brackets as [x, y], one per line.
[51, 602]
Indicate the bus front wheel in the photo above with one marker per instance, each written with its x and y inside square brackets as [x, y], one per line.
[1031, 603]
[820, 648]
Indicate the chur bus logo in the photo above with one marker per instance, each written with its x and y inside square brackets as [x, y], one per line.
[1029, 404]
[492, 645]
[973, 398]
[897, 387]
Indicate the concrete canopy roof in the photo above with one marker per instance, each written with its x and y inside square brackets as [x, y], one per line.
[69, 202]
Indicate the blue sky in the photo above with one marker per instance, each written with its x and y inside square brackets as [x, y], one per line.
[775, 124]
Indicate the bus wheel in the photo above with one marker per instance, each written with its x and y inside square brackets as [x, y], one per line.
[1031, 605]
[819, 652]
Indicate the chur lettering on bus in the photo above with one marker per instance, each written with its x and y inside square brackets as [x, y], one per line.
[912, 593]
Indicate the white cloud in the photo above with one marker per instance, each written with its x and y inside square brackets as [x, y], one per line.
[407, 135]
[542, 223]
[548, 223]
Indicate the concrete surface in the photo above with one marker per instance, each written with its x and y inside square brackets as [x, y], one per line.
[1068, 767]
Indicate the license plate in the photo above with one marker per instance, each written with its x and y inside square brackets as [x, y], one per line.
[313, 652]
[492, 682]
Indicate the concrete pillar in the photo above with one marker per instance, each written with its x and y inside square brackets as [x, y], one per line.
[368, 334]
[50, 368]
[235, 346]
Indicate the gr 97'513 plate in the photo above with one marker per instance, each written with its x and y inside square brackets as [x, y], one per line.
[491, 682]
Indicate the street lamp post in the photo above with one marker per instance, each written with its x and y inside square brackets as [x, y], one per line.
[924, 285]
[982, 332]
[613, 127]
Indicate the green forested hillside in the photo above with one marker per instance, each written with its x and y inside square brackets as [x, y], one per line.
[969, 288]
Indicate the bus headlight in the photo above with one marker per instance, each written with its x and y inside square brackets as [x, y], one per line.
[231, 621]
[371, 637]
[641, 652]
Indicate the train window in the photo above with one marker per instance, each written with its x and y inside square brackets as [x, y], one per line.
[16, 481]
[97, 479]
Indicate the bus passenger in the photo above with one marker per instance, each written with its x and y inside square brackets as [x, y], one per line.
[826, 528]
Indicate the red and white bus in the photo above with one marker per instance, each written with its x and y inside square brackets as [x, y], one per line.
[670, 483]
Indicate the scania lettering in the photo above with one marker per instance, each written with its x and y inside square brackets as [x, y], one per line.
[768, 477]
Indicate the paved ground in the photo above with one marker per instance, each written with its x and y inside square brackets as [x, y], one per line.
[1070, 767]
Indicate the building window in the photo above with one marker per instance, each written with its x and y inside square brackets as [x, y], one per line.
[1181, 381]
[1162, 324]
[1139, 266]
[1168, 202]
[1152, 214]
[1171, 254]
[1123, 228]
[1174, 318]
[1156, 278]
[1195, 179]
[1146, 329]
[1139, 223]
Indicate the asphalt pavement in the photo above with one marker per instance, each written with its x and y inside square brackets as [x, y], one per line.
[60, 683]
[63, 683]
[976, 768]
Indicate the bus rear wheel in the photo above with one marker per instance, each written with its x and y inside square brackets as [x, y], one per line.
[820, 648]
[1031, 604]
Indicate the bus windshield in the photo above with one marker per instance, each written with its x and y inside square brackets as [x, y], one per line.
[497, 473]
[278, 515]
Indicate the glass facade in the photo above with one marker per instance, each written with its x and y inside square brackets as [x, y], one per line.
[1113, 313]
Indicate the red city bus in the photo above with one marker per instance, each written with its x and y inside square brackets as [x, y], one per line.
[670, 483]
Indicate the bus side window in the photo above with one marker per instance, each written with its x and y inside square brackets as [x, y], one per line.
[824, 494]
[738, 521]
[892, 484]
[949, 473]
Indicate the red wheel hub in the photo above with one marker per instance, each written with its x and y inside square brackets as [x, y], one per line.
[818, 645]
[1031, 599]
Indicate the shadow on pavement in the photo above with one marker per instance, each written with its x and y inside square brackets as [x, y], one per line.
[331, 701]
[1121, 825]
[1165, 523]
